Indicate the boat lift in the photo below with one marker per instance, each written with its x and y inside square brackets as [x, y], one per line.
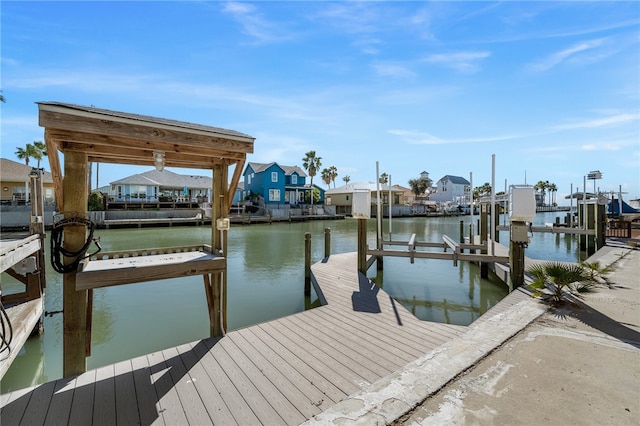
[522, 211]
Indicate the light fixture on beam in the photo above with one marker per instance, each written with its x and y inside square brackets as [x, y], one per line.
[158, 160]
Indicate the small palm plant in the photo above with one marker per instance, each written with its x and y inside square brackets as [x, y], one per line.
[553, 280]
[597, 273]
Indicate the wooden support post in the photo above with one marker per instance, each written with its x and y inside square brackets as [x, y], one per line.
[327, 242]
[218, 327]
[362, 246]
[75, 236]
[601, 226]
[516, 263]
[87, 351]
[517, 243]
[496, 223]
[36, 225]
[307, 264]
[484, 230]
[208, 291]
[218, 283]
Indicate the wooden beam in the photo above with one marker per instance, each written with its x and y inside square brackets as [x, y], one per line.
[74, 302]
[56, 171]
[237, 173]
[104, 143]
[145, 132]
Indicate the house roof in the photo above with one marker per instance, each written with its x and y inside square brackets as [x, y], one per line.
[12, 171]
[166, 179]
[401, 188]
[106, 136]
[288, 170]
[359, 186]
[455, 179]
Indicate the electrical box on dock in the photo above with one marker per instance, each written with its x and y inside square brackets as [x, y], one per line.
[361, 204]
[522, 203]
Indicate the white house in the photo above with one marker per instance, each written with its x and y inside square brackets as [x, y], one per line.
[455, 190]
[342, 197]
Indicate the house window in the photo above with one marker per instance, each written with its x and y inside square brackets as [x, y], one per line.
[138, 191]
[248, 179]
[274, 176]
[294, 179]
[274, 195]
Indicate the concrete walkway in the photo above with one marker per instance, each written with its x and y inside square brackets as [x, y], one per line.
[529, 365]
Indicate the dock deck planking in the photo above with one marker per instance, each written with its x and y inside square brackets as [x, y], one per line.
[104, 403]
[248, 390]
[146, 396]
[279, 372]
[60, 406]
[241, 411]
[190, 401]
[81, 412]
[289, 361]
[168, 401]
[271, 393]
[303, 407]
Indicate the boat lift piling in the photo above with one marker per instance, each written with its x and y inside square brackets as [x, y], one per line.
[521, 210]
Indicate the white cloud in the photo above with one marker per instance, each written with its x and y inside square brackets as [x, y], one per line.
[423, 138]
[254, 24]
[392, 70]
[598, 122]
[466, 62]
[569, 53]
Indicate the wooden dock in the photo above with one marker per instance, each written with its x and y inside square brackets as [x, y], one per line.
[23, 314]
[279, 372]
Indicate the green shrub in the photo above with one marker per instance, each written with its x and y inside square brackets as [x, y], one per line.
[96, 202]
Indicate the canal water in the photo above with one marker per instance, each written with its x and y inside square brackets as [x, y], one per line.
[265, 282]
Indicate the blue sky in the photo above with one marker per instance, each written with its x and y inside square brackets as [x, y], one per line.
[551, 88]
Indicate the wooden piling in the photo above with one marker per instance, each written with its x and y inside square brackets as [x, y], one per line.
[327, 242]
[362, 246]
[516, 263]
[484, 230]
[307, 264]
[75, 236]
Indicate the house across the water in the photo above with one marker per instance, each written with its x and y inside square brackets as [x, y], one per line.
[452, 190]
[158, 189]
[273, 184]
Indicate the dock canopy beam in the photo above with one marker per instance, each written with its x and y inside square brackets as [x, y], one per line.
[84, 134]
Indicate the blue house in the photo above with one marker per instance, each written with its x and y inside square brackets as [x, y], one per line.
[277, 184]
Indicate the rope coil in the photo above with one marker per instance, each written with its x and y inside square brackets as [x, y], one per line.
[58, 252]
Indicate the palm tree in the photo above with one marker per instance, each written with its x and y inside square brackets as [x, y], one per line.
[553, 279]
[552, 191]
[541, 186]
[384, 178]
[346, 179]
[481, 191]
[333, 173]
[26, 153]
[40, 150]
[419, 186]
[326, 177]
[311, 163]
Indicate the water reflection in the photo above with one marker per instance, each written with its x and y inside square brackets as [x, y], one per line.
[266, 281]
